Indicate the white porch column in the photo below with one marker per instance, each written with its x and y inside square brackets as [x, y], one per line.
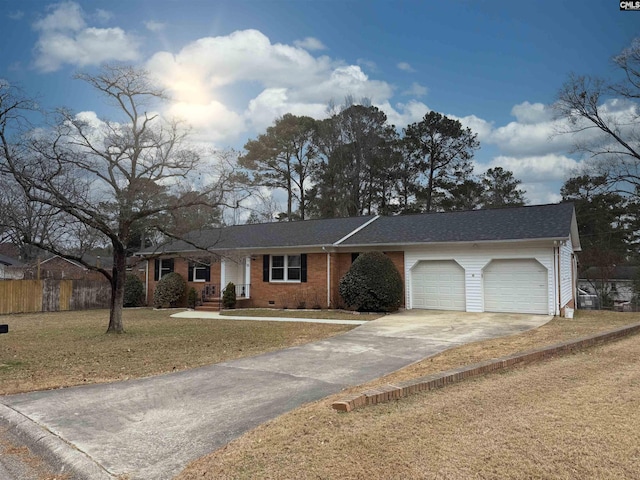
[223, 276]
[247, 276]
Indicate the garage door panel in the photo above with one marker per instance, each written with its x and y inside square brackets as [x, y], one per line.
[438, 285]
[518, 285]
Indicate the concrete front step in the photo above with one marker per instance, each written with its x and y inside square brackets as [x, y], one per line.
[210, 306]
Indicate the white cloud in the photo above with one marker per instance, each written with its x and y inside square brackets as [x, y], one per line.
[404, 66]
[102, 16]
[404, 114]
[275, 102]
[416, 90]
[541, 193]
[212, 121]
[310, 43]
[278, 78]
[66, 16]
[154, 26]
[65, 38]
[531, 113]
[544, 168]
[477, 125]
[368, 64]
[520, 139]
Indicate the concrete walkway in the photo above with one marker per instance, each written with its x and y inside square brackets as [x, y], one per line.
[151, 428]
[216, 315]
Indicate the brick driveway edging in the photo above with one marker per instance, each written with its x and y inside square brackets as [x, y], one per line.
[400, 390]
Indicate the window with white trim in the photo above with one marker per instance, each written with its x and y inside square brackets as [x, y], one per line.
[199, 271]
[164, 267]
[285, 268]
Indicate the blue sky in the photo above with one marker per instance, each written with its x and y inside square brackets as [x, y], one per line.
[233, 67]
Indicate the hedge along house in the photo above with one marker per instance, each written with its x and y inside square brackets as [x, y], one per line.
[518, 259]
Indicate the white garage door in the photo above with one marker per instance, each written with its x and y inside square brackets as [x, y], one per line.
[517, 286]
[438, 285]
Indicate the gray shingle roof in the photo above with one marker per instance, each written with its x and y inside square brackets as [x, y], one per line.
[619, 272]
[268, 235]
[5, 260]
[515, 223]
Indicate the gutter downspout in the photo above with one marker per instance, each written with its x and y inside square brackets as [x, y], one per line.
[556, 256]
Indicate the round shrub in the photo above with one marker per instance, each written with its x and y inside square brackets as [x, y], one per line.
[372, 284]
[170, 291]
[229, 296]
[192, 298]
[133, 291]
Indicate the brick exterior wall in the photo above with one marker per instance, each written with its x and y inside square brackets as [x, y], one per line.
[181, 266]
[312, 293]
[309, 294]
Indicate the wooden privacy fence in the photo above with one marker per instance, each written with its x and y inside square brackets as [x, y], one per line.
[28, 296]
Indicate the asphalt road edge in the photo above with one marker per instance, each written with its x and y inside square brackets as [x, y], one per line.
[58, 454]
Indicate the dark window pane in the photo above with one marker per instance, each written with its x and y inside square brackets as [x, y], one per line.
[277, 274]
[294, 260]
[277, 261]
[200, 273]
[293, 273]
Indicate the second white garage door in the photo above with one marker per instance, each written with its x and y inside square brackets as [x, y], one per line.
[438, 285]
[517, 286]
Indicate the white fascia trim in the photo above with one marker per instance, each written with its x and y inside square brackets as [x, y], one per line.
[364, 225]
[465, 242]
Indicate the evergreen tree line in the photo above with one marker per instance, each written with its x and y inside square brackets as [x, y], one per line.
[356, 163]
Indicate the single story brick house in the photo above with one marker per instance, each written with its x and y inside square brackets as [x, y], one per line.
[519, 259]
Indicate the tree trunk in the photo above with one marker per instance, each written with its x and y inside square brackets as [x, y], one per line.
[117, 290]
[289, 197]
[430, 188]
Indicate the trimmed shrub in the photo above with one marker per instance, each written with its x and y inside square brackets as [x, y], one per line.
[372, 284]
[229, 296]
[192, 298]
[133, 291]
[170, 291]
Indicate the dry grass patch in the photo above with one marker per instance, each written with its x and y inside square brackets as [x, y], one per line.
[50, 350]
[571, 417]
[321, 314]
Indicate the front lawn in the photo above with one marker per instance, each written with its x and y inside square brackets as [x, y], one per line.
[51, 350]
[570, 417]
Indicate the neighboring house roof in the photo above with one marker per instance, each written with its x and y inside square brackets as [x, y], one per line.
[9, 249]
[55, 257]
[620, 272]
[305, 233]
[515, 223]
[556, 221]
[5, 260]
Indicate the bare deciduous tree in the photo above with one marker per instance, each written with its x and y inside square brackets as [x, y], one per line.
[604, 119]
[110, 177]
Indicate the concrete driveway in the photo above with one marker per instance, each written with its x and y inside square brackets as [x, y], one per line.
[152, 427]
